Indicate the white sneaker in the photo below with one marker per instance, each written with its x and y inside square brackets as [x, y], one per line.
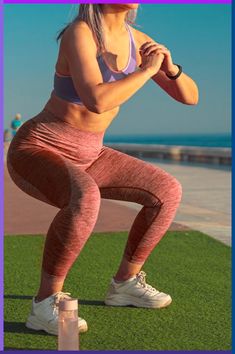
[136, 292]
[44, 314]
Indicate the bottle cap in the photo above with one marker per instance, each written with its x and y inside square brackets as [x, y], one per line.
[68, 304]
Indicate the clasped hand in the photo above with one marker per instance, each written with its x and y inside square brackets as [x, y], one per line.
[157, 56]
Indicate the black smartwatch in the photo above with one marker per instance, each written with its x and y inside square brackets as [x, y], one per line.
[177, 75]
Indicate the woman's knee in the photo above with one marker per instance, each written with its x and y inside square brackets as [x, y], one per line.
[176, 187]
[166, 188]
[173, 189]
[85, 193]
[80, 190]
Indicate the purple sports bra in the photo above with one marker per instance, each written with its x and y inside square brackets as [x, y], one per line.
[64, 87]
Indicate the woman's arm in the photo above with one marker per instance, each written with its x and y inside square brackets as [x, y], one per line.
[183, 89]
[80, 50]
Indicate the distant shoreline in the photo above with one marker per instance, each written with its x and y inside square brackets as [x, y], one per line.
[190, 140]
[207, 155]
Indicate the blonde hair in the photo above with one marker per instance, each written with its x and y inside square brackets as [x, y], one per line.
[92, 15]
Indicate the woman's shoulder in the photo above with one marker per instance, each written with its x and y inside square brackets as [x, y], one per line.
[77, 29]
[77, 38]
[78, 35]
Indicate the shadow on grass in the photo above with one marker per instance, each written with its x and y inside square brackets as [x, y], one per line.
[81, 301]
[19, 327]
[14, 348]
[18, 297]
[91, 302]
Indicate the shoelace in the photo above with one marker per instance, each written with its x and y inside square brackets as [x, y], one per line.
[56, 299]
[141, 280]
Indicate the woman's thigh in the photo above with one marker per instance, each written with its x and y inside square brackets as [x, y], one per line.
[124, 177]
[47, 176]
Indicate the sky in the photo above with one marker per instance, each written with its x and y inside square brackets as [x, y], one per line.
[197, 35]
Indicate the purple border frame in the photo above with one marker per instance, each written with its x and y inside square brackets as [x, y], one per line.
[117, 1]
[1, 172]
[2, 2]
[127, 351]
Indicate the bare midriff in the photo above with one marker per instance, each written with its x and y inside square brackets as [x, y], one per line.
[79, 116]
[87, 120]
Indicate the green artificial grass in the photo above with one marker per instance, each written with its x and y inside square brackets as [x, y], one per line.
[194, 268]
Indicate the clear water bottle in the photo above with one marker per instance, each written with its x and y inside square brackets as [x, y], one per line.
[68, 337]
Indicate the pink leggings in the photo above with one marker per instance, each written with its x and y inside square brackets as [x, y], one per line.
[69, 168]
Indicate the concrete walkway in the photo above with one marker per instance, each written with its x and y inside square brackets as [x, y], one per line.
[206, 200]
